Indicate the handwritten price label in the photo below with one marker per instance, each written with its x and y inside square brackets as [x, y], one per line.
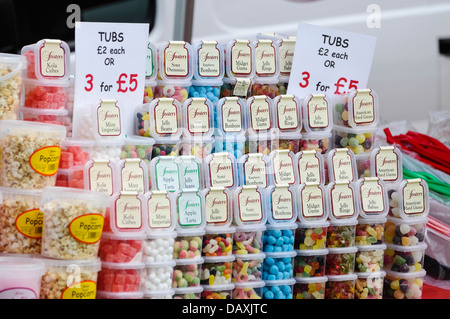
[330, 61]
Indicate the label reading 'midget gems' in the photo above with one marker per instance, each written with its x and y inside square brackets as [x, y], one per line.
[312, 201]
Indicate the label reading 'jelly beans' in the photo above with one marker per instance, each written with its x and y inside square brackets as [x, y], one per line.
[283, 167]
[342, 200]
[221, 171]
[191, 174]
[363, 107]
[232, 115]
[209, 60]
[108, 118]
[241, 58]
[372, 198]
[317, 111]
[87, 228]
[282, 203]
[190, 210]
[342, 165]
[265, 58]
[30, 223]
[45, 161]
[260, 114]
[287, 113]
[167, 174]
[132, 176]
[287, 48]
[166, 117]
[176, 59]
[255, 170]
[52, 59]
[81, 290]
[413, 197]
[386, 164]
[128, 209]
[101, 177]
[216, 206]
[250, 205]
[309, 168]
[159, 210]
[198, 116]
[312, 201]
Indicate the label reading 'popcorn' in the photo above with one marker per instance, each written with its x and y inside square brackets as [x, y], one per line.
[81, 290]
[87, 228]
[30, 223]
[45, 161]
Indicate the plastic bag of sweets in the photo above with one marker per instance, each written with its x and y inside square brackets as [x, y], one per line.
[30, 153]
[239, 68]
[357, 108]
[12, 68]
[267, 68]
[175, 70]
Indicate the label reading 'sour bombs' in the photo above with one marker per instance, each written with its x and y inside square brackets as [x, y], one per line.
[87, 228]
[30, 223]
[45, 161]
[159, 210]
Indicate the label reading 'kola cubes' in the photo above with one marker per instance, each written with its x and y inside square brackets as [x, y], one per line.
[52, 62]
[128, 209]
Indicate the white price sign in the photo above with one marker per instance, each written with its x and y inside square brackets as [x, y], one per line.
[110, 65]
[329, 61]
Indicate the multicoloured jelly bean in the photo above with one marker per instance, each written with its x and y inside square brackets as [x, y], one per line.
[369, 232]
[216, 271]
[217, 244]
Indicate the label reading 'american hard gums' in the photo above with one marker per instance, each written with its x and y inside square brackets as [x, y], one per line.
[386, 164]
[363, 107]
[159, 211]
[413, 197]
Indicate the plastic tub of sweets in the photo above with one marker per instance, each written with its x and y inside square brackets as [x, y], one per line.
[341, 233]
[20, 221]
[310, 287]
[357, 108]
[188, 245]
[217, 291]
[311, 235]
[262, 143]
[370, 258]
[369, 285]
[234, 144]
[289, 141]
[363, 165]
[218, 241]
[157, 277]
[279, 237]
[120, 295]
[166, 146]
[12, 69]
[46, 94]
[279, 289]
[340, 261]
[108, 149]
[187, 273]
[404, 259]
[57, 117]
[73, 222]
[310, 263]
[248, 290]
[370, 231]
[59, 282]
[247, 268]
[405, 232]
[340, 287]
[116, 277]
[196, 146]
[70, 177]
[75, 152]
[315, 141]
[358, 139]
[20, 278]
[124, 247]
[248, 239]
[188, 293]
[216, 270]
[159, 294]
[30, 153]
[403, 285]
[158, 246]
[278, 266]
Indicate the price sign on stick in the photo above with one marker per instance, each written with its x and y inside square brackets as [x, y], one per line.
[110, 65]
[329, 61]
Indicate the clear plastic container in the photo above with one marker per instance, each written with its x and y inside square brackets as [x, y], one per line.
[70, 279]
[220, 170]
[279, 237]
[260, 120]
[199, 147]
[166, 146]
[370, 231]
[279, 289]
[267, 68]
[198, 117]
[188, 293]
[230, 117]
[216, 270]
[30, 153]
[404, 259]
[310, 263]
[190, 205]
[209, 89]
[119, 295]
[341, 233]
[139, 147]
[21, 221]
[247, 268]
[249, 203]
[262, 86]
[151, 72]
[58, 117]
[157, 277]
[20, 278]
[75, 152]
[340, 287]
[70, 177]
[158, 247]
[218, 241]
[310, 287]
[165, 117]
[282, 167]
[317, 115]
[217, 291]
[405, 232]
[46, 94]
[248, 239]
[159, 294]
[357, 108]
[340, 261]
[126, 213]
[311, 203]
[159, 214]
[289, 141]
[363, 165]
[187, 273]
[253, 169]
[12, 68]
[188, 244]
[373, 196]
[286, 48]
[234, 144]
[150, 90]
[342, 200]
[165, 173]
[248, 290]
[357, 139]
[73, 222]
[341, 165]
[310, 167]
[121, 247]
[262, 143]
[403, 285]
[311, 235]
[315, 141]
[118, 277]
[370, 258]
[278, 266]
[281, 204]
[386, 163]
[133, 175]
[369, 285]
[109, 149]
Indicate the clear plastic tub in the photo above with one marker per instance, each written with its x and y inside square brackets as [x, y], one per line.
[234, 144]
[187, 273]
[196, 146]
[218, 241]
[150, 90]
[279, 237]
[310, 288]
[118, 277]
[278, 266]
[310, 263]
[370, 231]
[70, 177]
[216, 270]
[370, 258]
[263, 87]
[209, 89]
[75, 152]
[46, 94]
[363, 165]
[220, 170]
[139, 147]
[311, 203]
[410, 199]
[58, 117]
[157, 277]
[188, 245]
[357, 108]
[262, 144]
[405, 232]
[248, 239]
[358, 139]
[217, 291]
[30, 153]
[340, 287]
[12, 68]
[341, 233]
[310, 167]
[166, 146]
[70, 279]
[247, 268]
[119, 295]
[20, 278]
[386, 163]
[159, 294]
[109, 149]
[21, 221]
[369, 285]
[373, 196]
[289, 141]
[248, 290]
[165, 174]
[73, 222]
[317, 115]
[404, 259]
[260, 120]
[341, 165]
[175, 90]
[253, 169]
[279, 289]
[188, 293]
[121, 248]
[159, 247]
[315, 141]
[340, 261]
[403, 285]
[311, 235]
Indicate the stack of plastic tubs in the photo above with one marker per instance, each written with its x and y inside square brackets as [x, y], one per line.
[287, 115]
[12, 73]
[267, 68]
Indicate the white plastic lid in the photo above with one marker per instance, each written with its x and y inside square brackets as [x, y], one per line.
[198, 117]
[218, 259]
[14, 62]
[317, 114]
[312, 206]
[138, 140]
[409, 221]
[282, 282]
[124, 236]
[208, 62]
[342, 250]
[165, 118]
[175, 61]
[372, 275]
[19, 127]
[190, 205]
[373, 198]
[313, 224]
[240, 59]
[220, 229]
[57, 193]
[308, 280]
[386, 163]
[372, 220]
[218, 209]
[249, 206]
[231, 116]
[259, 116]
[188, 290]
[413, 199]
[220, 170]
[21, 266]
[253, 169]
[371, 247]
[257, 256]
[189, 261]
[348, 277]
[121, 266]
[406, 275]
[160, 264]
[77, 142]
[100, 294]
[267, 63]
[310, 167]
[222, 287]
[127, 213]
[342, 200]
[281, 204]
[419, 247]
[250, 284]
[342, 165]
[158, 294]
[312, 252]
[95, 263]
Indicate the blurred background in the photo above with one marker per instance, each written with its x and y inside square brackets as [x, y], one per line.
[411, 67]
